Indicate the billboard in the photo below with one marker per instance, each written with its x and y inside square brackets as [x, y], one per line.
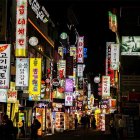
[112, 21]
[22, 72]
[105, 86]
[114, 56]
[130, 45]
[80, 70]
[21, 28]
[35, 79]
[80, 50]
[60, 51]
[12, 93]
[62, 68]
[68, 99]
[109, 70]
[5, 54]
[3, 95]
[68, 85]
[73, 51]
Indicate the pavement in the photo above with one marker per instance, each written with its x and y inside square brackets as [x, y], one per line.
[80, 134]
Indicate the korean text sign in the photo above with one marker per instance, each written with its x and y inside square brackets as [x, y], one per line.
[35, 79]
[21, 28]
[22, 72]
[4, 65]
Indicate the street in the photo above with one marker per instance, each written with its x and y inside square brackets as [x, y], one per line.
[80, 134]
[88, 134]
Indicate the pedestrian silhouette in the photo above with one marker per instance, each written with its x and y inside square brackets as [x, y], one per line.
[76, 122]
[7, 129]
[22, 129]
[93, 122]
[34, 129]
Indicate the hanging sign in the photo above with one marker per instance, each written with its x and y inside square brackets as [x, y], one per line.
[22, 72]
[21, 28]
[35, 79]
[4, 65]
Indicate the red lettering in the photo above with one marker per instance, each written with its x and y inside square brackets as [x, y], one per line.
[80, 50]
[80, 44]
[80, 55]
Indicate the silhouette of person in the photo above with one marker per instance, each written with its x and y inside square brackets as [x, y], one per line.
[112, 128]
[93, 122]
[53, 125]
[22, 129]
[34, 128]
[76, 122]
[7, 128]
[83, 121]
[120, 127]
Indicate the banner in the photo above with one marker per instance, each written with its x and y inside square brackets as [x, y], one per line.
[12, 93]
[105, 86]
[4, 65]
[62, 69]
[115, 56]
[112, 103]
[8, 110]
[73, 77]
[68, 99]
[22, 72]
[35, 79]
[109, 71]
[73, 51]
[113, 25]
[80, 50]
[39, 116]
[68, 85]
[3, 95]
[80, 70]
[60, 51]
[80, 83]
[85, 52]
[21, 28]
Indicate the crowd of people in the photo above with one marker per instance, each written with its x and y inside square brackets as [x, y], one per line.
[116, 125]
[86, 121]
[9, 132]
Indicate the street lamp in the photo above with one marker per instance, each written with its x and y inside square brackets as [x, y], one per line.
[97, 79]
[33, 41]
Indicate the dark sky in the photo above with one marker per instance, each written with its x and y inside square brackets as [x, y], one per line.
[92, 20]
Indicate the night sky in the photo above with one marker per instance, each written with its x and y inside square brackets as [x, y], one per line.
[92, 17]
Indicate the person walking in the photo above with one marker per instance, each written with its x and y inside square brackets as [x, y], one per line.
[34, 128]
[53, 125]
[93, 122]
[112, 128]
[22, 129]
[120, 127]
[7, 129]
[76, 122]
